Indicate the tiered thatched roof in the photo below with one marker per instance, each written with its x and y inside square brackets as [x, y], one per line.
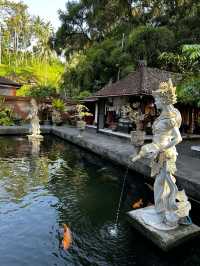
[141, 82]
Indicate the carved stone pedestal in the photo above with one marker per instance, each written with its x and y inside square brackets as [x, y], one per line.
[124, 125]
[35, 137]
[81, 125]
[165, 240]
[137, 138]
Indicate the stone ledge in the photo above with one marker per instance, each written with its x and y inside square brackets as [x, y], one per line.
[165, 240]
[21, 130]
[118, 151]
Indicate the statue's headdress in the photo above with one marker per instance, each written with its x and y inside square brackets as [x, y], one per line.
[167, 92]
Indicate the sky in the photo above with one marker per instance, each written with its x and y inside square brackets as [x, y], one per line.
[46, 9]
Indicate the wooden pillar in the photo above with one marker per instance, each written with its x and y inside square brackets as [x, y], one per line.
[188, 116]
[96, 113]
[101, 115]
[191, 121]
[142, 104]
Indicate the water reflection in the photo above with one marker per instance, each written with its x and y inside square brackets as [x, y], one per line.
[35, 146]
[23, 168]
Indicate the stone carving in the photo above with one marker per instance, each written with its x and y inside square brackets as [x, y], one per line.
[136, 116]
[125, 109]
[124, 122]
[171, 206]
[35, 122]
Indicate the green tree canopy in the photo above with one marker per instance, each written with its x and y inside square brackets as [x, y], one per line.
[103, 40]
[26, 53]
[149, 42]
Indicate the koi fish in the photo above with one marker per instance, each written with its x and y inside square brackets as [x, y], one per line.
[138, 204]
[67, 237]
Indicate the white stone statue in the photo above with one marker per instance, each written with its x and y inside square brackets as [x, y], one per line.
[171, 206]
[35, 122]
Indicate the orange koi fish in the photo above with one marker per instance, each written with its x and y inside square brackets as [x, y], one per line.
[67, 237]
[138, 204]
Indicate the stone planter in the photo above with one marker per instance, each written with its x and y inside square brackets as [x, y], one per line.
[57, 118]
[137, 138]
[81, 126]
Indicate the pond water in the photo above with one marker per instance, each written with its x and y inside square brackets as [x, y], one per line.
[62, 184]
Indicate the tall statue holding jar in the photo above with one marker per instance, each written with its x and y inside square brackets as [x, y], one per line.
[171, 205]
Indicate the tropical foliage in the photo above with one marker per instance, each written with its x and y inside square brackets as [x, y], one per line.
[5, 114]
[26, 50]
[189, 91]
[58, 104]
[82, 111]
[103, 40]
[187, 62]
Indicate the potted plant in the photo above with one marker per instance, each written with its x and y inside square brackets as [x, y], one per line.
[81, 112]
[6, 117]
[58, 106]
[5, 114]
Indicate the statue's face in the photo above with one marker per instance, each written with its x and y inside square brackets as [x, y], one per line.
[33, 102]
[158, 103]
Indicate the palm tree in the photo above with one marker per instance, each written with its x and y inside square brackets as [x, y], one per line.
[43, 31]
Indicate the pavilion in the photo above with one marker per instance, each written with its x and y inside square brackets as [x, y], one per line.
[136, 88]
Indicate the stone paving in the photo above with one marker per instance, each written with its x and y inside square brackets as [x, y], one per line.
[119, 150]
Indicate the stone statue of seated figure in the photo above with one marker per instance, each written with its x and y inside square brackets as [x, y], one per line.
[171, 206]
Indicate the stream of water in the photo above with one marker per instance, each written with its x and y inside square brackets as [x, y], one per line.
[114, 230]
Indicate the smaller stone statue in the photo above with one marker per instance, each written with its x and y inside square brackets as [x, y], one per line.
[35, 122]
[136, 117]
[124, 122]
[125, 109]
[171, 205]
[135, 113]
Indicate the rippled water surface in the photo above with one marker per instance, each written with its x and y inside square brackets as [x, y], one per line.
[42, 190]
